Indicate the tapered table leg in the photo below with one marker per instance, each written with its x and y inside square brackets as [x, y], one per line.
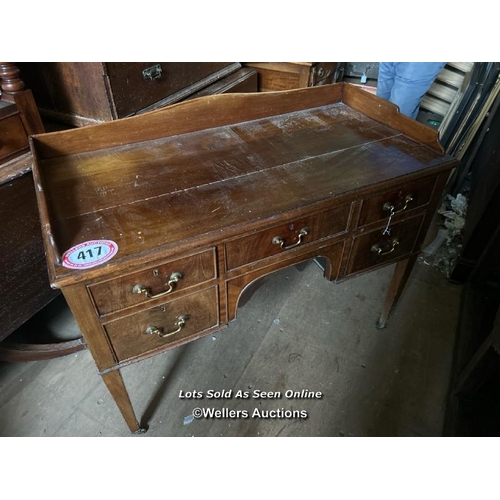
[396, 287]
[116, 387]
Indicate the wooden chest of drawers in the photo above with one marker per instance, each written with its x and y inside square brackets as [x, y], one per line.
[13, 137]
[90, 92]
[196, 201]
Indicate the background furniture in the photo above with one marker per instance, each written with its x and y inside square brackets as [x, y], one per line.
[474, 401]
[25, 287]
[86, 93]
[19, 116]
[194, 202]
[293, 75]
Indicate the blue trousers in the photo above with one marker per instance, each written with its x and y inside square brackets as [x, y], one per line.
[405, 83]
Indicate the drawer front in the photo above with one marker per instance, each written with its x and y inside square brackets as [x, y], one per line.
[412, 195]
[286, 237]
[13, 137]
[154, 283]
[178, 319]
[138, 85]
[373, 248]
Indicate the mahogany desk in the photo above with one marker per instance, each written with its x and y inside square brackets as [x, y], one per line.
[200, 199]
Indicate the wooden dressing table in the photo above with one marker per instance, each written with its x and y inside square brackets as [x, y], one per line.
[194, 202]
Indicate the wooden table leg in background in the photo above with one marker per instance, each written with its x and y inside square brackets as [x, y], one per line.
[396, 287]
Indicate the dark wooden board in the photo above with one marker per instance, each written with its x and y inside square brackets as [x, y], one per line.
[236, 177]
[25, 285]
[131, 91]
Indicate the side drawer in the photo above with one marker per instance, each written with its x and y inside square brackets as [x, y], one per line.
[152, 283]
[287, 236]
[397, 201]
[159, 326]
[373, 248]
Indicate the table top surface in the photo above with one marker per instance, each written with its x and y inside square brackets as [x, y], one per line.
[157, 193]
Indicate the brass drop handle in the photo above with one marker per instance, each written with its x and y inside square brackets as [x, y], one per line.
[174, 278]
[388, 207]
[378, 250]
[179, 323]
[278, 240]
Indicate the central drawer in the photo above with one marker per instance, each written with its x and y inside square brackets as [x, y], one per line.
[165, 324]
[162, 281]
[286, 237]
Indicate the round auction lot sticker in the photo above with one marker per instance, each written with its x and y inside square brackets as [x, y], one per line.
[89, 254]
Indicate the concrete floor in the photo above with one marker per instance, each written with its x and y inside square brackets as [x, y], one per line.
[296, 331]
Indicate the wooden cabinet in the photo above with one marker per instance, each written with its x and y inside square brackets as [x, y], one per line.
[200, 199]
[85, 93]
[25, 287]
[293, 75]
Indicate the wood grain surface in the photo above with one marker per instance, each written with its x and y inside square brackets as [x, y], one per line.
[229, 174]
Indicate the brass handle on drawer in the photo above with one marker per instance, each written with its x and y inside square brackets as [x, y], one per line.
[388, 207]
[179, 323]
[174, 278]
[378, 250]
[278, 240]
